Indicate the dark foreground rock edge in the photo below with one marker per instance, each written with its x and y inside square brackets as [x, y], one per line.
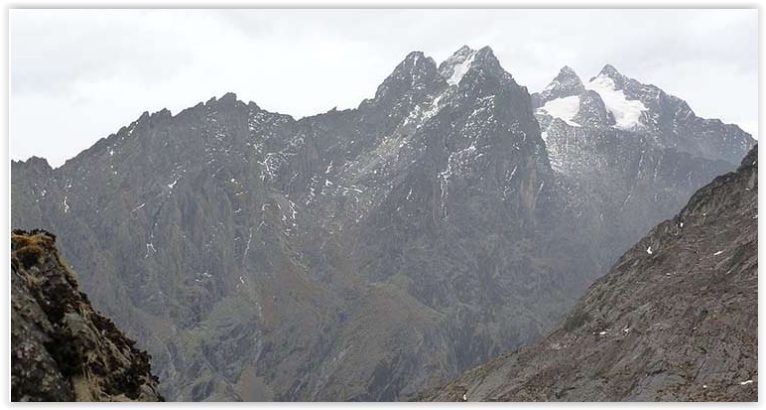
[62, 349]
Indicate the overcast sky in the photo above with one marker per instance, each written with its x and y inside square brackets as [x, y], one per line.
[80, 75]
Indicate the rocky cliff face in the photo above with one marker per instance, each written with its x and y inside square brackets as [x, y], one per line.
[675, 319]
[362, 254]
[61, 348]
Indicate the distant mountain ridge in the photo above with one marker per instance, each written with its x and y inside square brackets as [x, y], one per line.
[360, 254]
[612, 100]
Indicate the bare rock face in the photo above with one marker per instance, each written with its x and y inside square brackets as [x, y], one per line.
[675, 320]
[61, 348]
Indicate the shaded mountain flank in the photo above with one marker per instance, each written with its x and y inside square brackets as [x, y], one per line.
[61, 348]
[676, 319]
[367, 253]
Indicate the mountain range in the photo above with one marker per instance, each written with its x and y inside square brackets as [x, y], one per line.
[369, 253]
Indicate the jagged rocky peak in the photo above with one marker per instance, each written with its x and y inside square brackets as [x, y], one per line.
[648, 109]
[609, 99]
[485, 59]
[609, 74]
[229, 97]
[416, 66]
[417, 61]
[227, 100]
[454, 68]
[35, 163]
[610, 71]
[62, 349]
[567, 72]
[415, 72]
[417, 77]
[567, 83]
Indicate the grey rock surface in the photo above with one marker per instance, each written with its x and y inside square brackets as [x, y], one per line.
[675, 320]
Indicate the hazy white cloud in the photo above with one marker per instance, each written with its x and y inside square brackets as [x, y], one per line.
[79, 75]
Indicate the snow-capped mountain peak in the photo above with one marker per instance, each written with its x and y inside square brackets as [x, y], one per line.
[566, 84]
[610, 71]
[627, 112]
[456, 66]
[564, 108]
[612, 100]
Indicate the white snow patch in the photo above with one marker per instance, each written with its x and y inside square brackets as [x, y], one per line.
[745, 382]
[66, 205]
[460, 69]
[247, 248]
[433, 109]
[111, 152]
[149, 247]
[513, 173]
[601, 333]
[649, 250]
[563, 108]
[172, 184]
[717, 253]
[626, 112]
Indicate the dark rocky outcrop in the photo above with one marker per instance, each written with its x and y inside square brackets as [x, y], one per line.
[61, 348]
[675, 320]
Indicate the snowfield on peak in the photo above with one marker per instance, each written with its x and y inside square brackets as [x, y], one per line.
[563, 108]
[626, 112]
[461, 65]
